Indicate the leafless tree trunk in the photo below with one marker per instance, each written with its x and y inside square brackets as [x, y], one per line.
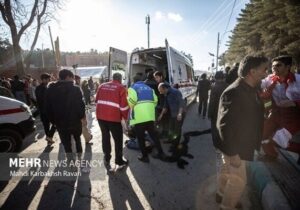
[14, 15]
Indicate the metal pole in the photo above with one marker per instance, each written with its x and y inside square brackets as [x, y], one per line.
[217, 57]
[43, 61]
[148, 29]
[148, 35]
[52, 46]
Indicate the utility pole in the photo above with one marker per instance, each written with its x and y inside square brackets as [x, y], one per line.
[148, 29]
[43, 61]
[52, 46]
[217, 57]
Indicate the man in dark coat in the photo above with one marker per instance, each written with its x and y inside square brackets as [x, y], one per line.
[66, 109]
[40, 93]
[240, 125]
[164, 122]
[202, 89]
[176, 106]
[213, 107]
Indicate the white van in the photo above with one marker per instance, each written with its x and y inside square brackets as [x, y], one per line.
[16, 122]
[176, 68]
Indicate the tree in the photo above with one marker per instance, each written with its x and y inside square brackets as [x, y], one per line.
[269, 27]
[22, 19]
[37, 60]
[5, 50]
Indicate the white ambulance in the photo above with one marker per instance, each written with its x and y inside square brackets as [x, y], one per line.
[175, 66]
[16, 122]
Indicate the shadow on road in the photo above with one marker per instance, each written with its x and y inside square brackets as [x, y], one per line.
[58, 194]
[25, 189]
[82, 198]
[163, 184]
[122, 193]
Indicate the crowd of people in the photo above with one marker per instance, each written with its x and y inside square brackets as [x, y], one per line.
[33, 92]
[249, 108]
[23, 89]
[255, 110]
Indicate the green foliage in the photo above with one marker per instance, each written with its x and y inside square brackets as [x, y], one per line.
[268, 27]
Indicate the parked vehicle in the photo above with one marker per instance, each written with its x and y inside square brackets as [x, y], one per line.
[16, 122]
[97, 72]
[175, 66]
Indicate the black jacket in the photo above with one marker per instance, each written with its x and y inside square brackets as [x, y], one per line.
[17, 85]
[40, 93]
[65, 106]
[240, 120]
[214, 98]
[203, 88]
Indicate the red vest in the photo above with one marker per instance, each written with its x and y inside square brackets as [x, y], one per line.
[111, 102]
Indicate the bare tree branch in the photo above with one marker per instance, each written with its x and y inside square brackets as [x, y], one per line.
[24, 19]
[33, 14]
[39, 17]
[2, 9]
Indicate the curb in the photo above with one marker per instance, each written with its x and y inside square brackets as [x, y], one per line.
[270, 194]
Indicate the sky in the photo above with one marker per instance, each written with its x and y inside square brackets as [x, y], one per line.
[189, 25]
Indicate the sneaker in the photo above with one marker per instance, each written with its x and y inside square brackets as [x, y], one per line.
[123, 164]
[107, 165]
[144, 159]
[106, 162]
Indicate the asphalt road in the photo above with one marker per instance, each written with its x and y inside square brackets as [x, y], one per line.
[157, 185]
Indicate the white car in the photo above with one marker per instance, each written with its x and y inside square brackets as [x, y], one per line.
[16, 122]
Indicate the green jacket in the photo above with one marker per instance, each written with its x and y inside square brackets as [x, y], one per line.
[142, 101]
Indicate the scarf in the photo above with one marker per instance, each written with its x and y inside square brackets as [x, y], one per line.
[267, 94]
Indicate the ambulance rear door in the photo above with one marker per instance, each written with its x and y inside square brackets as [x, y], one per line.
[118, 63]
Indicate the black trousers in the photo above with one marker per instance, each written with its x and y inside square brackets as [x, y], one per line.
[175, 129]
[164, 123]
[48, 127]
[140, 129]
[65, 137]
[215, 134]
[115, 128]
[202, 103]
